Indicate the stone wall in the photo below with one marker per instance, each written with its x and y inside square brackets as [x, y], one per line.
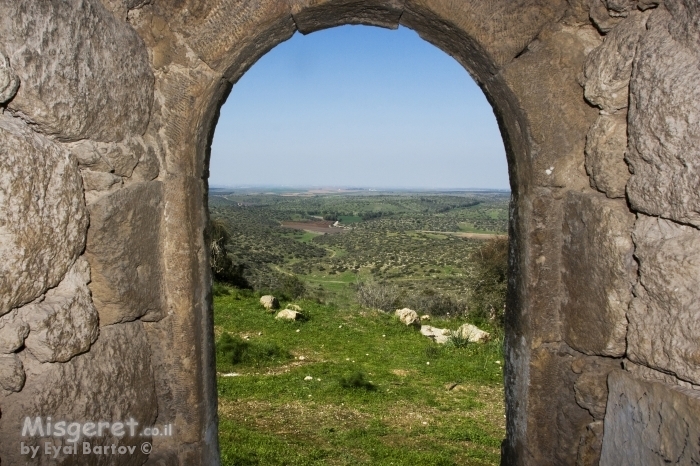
[107, 113]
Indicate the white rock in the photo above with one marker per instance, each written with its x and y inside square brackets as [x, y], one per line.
[269, 302]
[288, 314]
[473, 333]
[408, 317]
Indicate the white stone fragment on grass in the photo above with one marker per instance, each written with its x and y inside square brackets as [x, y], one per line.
[473, 333]
[269, 302]
[408, 317]
[288, 314]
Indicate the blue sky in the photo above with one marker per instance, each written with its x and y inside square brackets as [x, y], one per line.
[358, 106]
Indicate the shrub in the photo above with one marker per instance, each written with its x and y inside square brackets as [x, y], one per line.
[429, 301]
[222, 267]
[488, 297]
[458, 340]
[377, 295]
[356, 380]
[293, 287]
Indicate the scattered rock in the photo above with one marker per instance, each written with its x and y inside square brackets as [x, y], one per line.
[288, 314]
[473, 333]
[269, 302]
[308, 377]
[425, 317]
[408, 317]
[443, 335]
[438, 335]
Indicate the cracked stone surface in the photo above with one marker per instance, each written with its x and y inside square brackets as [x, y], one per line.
[609, 67]
[43, 218]
[597, 246]
[663, 323]
[13, 331]
[650, 423]
[606, 146]
[9, 82]
[84, 73]
[64, 323]
[126, 282]
[12, 375]
[664, 115]
[113, 382]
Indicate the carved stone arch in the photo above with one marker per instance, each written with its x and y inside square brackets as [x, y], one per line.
[121, 98]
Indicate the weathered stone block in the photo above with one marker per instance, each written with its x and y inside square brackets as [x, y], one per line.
[606, 144]
[590, 445]
[544, 241]
[9, 82]
[13, 331]
[112, 382]
[123, 248]
[228, 35]
[664, 143]
[501, 29]
[650, 423]
[64, 323]
[12, 375]
[602, 18]
[84, 74]
[663, 318]
[43, 218]
[597, 246]
[591, 387]
[99, 181]
[552, 398]
[685, 27]
[609, 67]
[312, 15]
[545, 78]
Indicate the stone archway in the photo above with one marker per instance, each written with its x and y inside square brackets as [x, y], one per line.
[110, 108]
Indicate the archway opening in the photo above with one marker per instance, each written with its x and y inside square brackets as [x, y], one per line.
[298, 209]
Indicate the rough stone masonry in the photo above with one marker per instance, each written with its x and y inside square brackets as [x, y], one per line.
[107, 108]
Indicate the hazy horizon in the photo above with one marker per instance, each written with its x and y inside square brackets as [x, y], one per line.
[350, 187]
[358, 106]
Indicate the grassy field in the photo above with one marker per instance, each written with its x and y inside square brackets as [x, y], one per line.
[351, 386]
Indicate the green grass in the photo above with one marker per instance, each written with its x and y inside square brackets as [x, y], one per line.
[307, 237]
[348, 219]
[375, 392]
